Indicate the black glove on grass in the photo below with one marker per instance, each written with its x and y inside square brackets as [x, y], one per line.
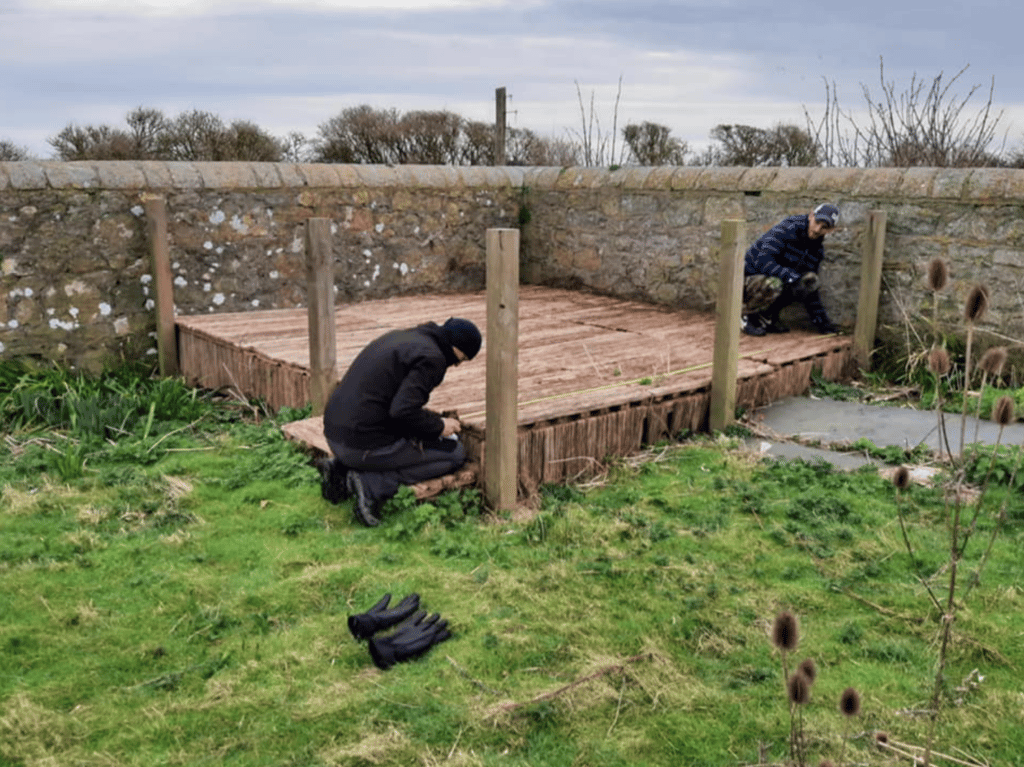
[379, 617]
[409, 641]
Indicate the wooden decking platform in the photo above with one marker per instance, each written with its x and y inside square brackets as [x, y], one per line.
[598, 376]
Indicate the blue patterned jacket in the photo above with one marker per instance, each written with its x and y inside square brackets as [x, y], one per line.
[785, 251]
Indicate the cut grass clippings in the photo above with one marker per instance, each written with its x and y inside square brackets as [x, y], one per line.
[187, 604]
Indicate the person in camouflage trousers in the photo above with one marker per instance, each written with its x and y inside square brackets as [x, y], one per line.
[781, 268]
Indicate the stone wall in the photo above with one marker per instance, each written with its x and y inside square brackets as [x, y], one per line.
[653, 234]
[75, 284]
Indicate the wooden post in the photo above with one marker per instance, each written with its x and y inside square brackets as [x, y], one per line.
[499, 126]
[501, 445]
[870, 285]
[320, 297]
[166, 330]
[727, 326]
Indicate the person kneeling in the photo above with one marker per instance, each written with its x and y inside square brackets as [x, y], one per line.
[781, 268]
[376, 421]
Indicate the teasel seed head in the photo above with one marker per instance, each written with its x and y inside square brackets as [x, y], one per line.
[799, 689]
[1003, 413]
[938, 361]
[993, 360]
[976, 304]
[849, 702]
[901, 478]
[938, 275]
[785, 632]
[808, 669]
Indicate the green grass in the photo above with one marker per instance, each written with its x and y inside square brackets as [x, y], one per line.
[177, 592]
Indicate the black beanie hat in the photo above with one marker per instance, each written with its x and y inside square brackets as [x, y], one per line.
[463, 335]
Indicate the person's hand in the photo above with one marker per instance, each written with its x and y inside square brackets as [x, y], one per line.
[807, 284]
[810, 282]
[451, 426]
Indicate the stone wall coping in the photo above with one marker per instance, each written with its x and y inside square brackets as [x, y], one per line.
[966, 184]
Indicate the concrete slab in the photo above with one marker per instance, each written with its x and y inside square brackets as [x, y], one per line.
[794, 451]
[834, 423]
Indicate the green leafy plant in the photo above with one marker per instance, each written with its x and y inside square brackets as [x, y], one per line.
[69, 463]
[820, 387]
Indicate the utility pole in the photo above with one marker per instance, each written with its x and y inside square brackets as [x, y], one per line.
[499, 126]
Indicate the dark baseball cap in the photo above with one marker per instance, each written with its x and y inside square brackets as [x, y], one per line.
[827, 213]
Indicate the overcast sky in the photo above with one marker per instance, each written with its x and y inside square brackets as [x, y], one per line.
[290, 65]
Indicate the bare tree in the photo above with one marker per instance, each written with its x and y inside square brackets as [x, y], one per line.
[93, 142]
[366, 135]
[430, 138]
[11, 152]
[359, 134]
[477, 145]
[650, 144]
[146, 126]
[295, 148]
[783, 145]
[195, 135]
[925, 125]
[1015, 158]
[247, 142]
[522, 147]
[559, 152]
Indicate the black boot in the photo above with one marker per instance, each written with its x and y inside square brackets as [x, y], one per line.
[773, 324]
[753, 325]
[333, 486]
[366, 508]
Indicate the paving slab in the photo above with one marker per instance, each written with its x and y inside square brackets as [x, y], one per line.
[835, 423]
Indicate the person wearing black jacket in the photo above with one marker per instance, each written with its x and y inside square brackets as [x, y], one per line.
[376, 421]
[781, 268]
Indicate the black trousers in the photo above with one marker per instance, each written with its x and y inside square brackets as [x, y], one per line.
[385, 469]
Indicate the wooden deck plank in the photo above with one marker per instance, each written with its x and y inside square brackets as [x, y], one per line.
[582, 357]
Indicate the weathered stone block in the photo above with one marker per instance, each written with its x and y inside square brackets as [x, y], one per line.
[319, 174]
[120, 176]
[878, 183]
[834, 182]
[793, 180]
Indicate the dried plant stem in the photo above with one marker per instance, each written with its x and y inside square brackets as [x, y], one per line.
[977, 410]
[913, 752]
[910, 552]
[800, 756]
[947, 626]
[605, 671]
[1000, 521]
[967, 384]
[940, 421]
[981, 497]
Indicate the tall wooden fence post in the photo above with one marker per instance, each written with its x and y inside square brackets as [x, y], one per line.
[727, 326]
[323, 350]
[870, 286]
[501, 445]
[166, 331]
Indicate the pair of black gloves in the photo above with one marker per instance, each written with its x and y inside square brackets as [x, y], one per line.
[413, 638]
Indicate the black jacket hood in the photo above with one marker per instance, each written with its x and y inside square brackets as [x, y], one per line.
[437, 333]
